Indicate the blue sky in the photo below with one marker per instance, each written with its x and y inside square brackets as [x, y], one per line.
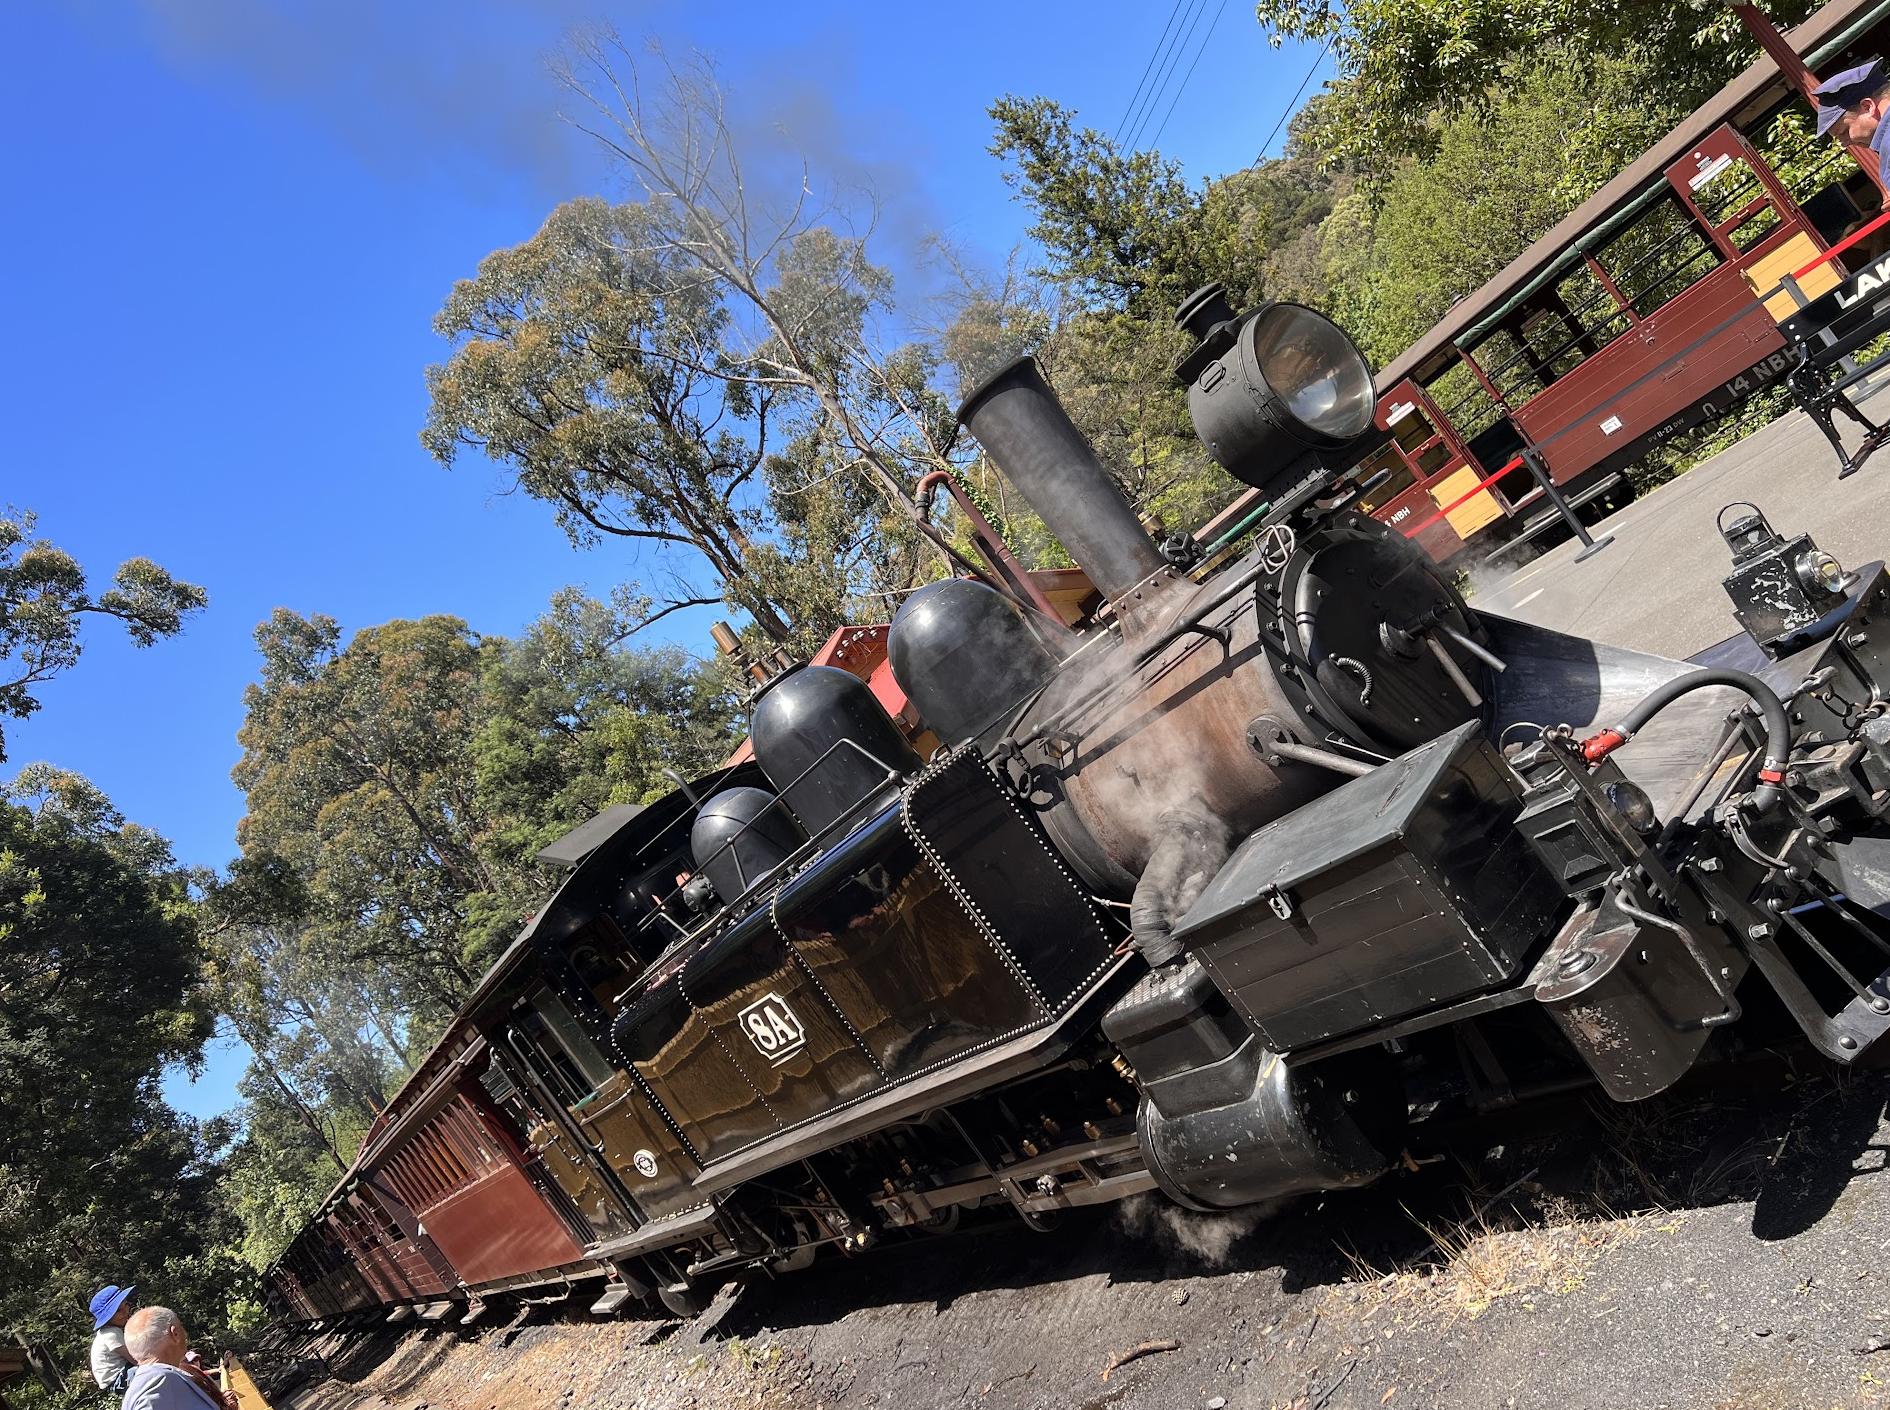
[231, 221]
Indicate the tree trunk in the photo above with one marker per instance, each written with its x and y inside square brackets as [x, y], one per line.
[301, 1108]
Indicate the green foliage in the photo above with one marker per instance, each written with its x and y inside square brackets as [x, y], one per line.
[399, 786]
[1110, 221]
[1404, 62]
[279, 1169]
[1493, 183]
[1127, 241]
[43, 597]
[356, 767]
[839, 552]
[572, 720]
[599, 363]
[100, 1181]
[591, 360]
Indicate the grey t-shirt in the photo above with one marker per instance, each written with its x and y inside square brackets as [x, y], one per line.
[156, 1386]
[111, 1364]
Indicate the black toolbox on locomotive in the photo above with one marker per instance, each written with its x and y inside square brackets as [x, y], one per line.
[1407, 888]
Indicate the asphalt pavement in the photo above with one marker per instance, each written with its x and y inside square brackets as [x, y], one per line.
[1657, 586]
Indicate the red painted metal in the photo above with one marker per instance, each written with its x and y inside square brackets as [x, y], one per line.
[1606, 280]
[1609, 402]
[499, 1227]
[1569, 420]
[1404, 400]
[424, 1268]
[1694, 351]
[1862, 232]
[861, 650]
[478, 1203]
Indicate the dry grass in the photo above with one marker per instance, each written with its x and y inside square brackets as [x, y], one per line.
[1475, 1262]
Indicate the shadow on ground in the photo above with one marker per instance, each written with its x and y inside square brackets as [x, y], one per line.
[1794, 1153]
[1796, 1147]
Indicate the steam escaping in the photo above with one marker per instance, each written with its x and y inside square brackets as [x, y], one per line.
[1207, 1238]
[1482, 579]
[468, 94]
[396, 84]
[1193, 847]
[1167, 772]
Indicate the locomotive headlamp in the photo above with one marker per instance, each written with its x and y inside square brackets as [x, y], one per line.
[1780, 587]
[1819, 571]
[1271, 389]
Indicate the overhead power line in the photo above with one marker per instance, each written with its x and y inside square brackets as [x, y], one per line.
[1135, 97]
[1158, 82]
[1155, 141]
[1287, 112]
[1160, 90]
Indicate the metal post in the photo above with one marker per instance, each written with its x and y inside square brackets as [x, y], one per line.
[1590, 545]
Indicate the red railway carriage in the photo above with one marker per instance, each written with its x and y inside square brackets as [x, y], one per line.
[1653, 307]
[455, 1192]
[474, 1203]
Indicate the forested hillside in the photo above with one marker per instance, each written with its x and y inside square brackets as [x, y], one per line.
[714, 379]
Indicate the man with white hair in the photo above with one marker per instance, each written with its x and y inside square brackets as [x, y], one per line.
[157, 1341]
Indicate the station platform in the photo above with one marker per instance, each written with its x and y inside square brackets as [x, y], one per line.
[1657, 586]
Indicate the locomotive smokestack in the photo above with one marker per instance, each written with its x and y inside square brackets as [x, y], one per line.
[1030, 437]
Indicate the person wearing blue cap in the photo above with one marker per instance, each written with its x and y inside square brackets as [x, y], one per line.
[112, 1365]
[1851, 107]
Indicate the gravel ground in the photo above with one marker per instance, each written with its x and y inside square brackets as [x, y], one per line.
[1721, 1249]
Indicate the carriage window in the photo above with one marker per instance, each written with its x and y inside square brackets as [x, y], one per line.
[575, 1064]
[1411, 428]
[1593, 306]
[1660, 254]
[1463, 401]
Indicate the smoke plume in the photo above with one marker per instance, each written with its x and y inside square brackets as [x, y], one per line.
[1207, 1238]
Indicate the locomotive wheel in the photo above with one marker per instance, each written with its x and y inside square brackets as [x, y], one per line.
[1040, 1223]
[684, 1300]
[945, 1221]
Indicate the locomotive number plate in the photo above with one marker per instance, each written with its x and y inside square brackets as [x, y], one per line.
[774, 1028]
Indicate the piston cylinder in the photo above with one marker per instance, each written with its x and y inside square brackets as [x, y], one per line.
[1293, 1129]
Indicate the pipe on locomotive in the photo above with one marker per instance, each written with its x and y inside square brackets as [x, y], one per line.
[1030, 437]
[1778, 731]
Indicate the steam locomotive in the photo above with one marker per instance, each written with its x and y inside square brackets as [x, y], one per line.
[1231, 886]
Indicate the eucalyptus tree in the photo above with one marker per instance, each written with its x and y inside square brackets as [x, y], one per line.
[45, 598]
[591, 361]
[787, 252]
[99, 991]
